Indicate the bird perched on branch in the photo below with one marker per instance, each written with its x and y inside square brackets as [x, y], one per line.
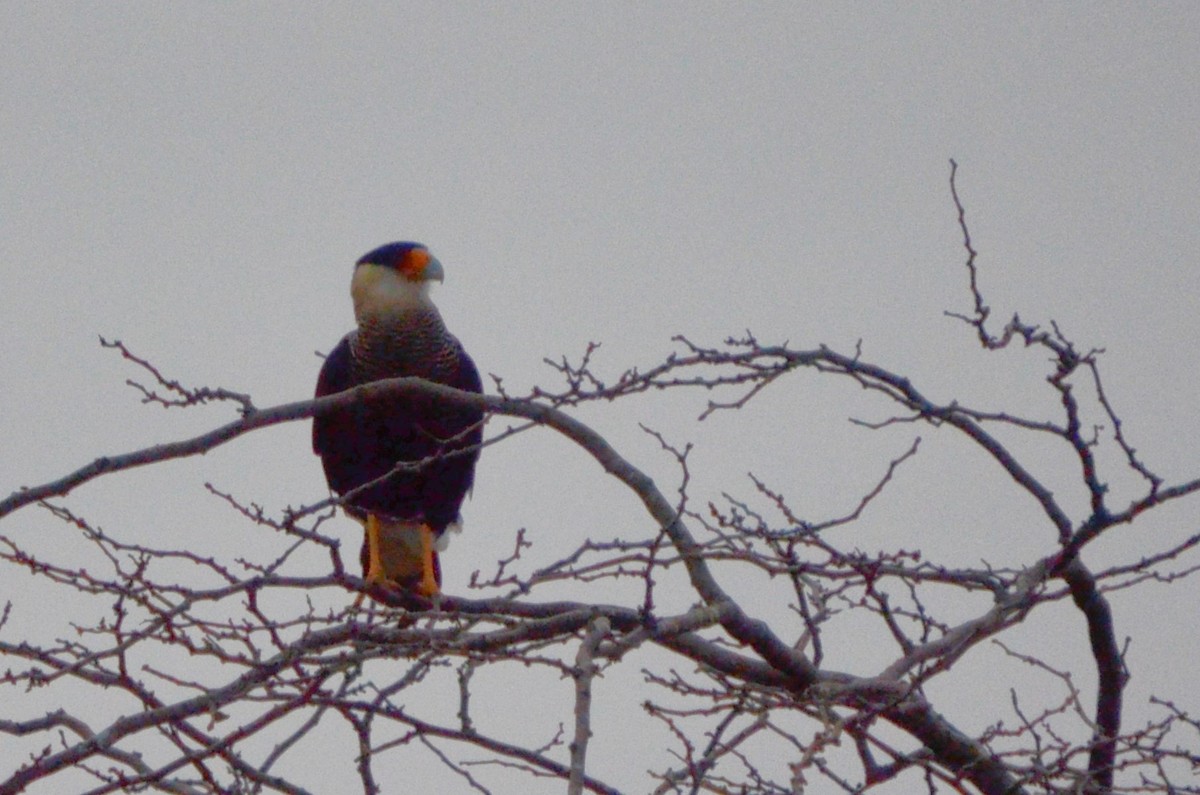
[403, 464]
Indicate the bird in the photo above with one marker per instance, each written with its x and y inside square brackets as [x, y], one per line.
[402, 464]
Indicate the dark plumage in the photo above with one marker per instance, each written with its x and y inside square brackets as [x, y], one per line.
[400, 333]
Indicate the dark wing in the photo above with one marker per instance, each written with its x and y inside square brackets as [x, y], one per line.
[364, 442]
[336, 434]
[462, 426]
[334, 377]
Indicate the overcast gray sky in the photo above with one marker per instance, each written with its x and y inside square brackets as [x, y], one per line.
[198, 179]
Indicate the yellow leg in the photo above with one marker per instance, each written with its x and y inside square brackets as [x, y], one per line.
[429, 585]
[375, 573]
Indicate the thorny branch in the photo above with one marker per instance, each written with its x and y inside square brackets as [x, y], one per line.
[201, 662]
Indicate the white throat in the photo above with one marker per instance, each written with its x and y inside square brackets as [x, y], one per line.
[380, 291]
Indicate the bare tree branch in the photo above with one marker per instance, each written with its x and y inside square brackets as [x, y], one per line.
[584, 672]
[214, 673]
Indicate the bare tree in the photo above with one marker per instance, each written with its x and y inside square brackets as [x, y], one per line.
[216, 674]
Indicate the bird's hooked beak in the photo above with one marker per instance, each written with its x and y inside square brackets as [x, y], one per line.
[433, 271]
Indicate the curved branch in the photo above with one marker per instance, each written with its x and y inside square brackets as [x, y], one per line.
[753, 633]
[1110, 670]
[797, 671]
[777, 665]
